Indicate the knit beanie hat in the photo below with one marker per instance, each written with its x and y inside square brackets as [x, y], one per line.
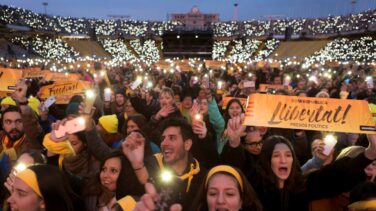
[72, 109]
[109, 123]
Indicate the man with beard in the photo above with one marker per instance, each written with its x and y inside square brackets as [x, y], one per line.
[21, 129]
[175, 160]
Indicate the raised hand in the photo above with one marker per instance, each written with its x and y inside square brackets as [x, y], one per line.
[195, 109]
[54, 127]
[234, 131]
[10, 181]
[21, 88]
[134, 149]
[165, 111]
[199, 128]
[318, 152]
[81, 109]
[43, 112]
[149, 199]
[370, 151]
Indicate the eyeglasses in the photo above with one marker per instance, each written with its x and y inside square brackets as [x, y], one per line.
[254, 144]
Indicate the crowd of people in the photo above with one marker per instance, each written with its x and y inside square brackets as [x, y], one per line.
[169, 135]
[360, 22]
[237, 51]
[169, 143]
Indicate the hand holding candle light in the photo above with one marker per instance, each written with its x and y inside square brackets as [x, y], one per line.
[90, 96]
[330, 141]
[219, 85]
[287, 80]
[107, 94]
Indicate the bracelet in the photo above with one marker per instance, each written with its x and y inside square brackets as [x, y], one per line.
[138, 169]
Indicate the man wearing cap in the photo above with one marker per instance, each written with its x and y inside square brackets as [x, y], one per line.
[175, 160]
[108, 129]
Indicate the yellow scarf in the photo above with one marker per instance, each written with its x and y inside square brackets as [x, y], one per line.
[195, 169]
[62, 148]
[10, 148]
[363, 205]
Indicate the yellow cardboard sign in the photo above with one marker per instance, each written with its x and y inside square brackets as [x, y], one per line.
[64, 89]
[64, 99]
[214, 64]
[53, 76]
[8, 79]
[225, 101]
[34, 73]
[322, 114]
[265, 87]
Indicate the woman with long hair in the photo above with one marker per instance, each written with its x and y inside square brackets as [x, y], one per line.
[280, 184]
[100, 194]
[40, 187]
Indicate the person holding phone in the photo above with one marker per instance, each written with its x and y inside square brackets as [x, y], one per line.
[202, 126]
[70, 152]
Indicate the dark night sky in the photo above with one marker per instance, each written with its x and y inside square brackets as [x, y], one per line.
[158, 9]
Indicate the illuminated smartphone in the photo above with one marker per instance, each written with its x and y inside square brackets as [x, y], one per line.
[107, 94]
[71, 126]
[48, 102]
[90, 96]
[330, 142]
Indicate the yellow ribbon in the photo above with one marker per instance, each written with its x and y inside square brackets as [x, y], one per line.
[30, 178]
[11, 151]
[227, 169]
[62, 148]
[194, 169]
[127, 203]
[363, 205]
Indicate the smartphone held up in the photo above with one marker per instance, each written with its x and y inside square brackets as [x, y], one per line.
[71, 126]
[90, 97]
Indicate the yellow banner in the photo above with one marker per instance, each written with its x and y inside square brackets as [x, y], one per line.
[64, 99]
[322, 114]
[8, 79]
[34, 73]
[265, 87]
[225, 101]
[5, 94]
[214, 64]
[53, 76]
[64, 89]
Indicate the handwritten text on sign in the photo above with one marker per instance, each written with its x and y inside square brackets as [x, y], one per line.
[64, 88]
[322, 114]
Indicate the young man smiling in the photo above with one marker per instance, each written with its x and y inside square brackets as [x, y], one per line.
[175, 157]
